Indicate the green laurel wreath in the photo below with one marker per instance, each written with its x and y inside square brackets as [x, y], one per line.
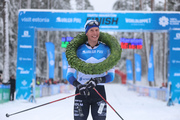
[93, 68]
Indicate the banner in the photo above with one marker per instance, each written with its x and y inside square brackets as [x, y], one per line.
[26, 59]
[4, 93]
[110, 21]
[137, 67]
[151, 66]
[129, 70]
[51, 58]
[174, 64]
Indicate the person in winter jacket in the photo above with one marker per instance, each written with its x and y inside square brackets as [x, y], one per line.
[12, 82]
[93, 51]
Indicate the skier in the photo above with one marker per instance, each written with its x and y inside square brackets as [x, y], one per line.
[93, 51]
[32, 97]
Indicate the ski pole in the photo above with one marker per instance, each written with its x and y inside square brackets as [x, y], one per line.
[7, 115]
[108, 103]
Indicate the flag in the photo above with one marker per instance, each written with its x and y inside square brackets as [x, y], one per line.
[51, 58]
[129, 70]
[151, 66]
[137, 67]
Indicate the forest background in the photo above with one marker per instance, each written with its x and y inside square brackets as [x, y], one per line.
[9, 27]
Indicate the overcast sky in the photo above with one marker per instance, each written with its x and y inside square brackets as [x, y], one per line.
[106, 5]
[102, 5]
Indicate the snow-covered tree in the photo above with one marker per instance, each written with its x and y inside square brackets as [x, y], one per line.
[6, 42]
[83, 5]
[1, 43]
[159, 40]
[55, 36]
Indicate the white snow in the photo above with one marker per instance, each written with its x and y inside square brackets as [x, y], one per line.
[128, 104]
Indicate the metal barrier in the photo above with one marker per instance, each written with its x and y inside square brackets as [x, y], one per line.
[40, 91]
[154, 92]
[47, 90]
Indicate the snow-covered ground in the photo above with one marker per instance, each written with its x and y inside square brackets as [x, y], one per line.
[128, 104]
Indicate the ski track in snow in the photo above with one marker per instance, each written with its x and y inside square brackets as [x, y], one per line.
[130, 105]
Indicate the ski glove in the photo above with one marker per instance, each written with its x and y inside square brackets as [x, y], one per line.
[83, 90]
[93, 82]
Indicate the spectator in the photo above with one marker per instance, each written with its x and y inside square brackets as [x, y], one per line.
[0, 80]
[50, 81]
[12, 82]
[38, 81]
[32, 98]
